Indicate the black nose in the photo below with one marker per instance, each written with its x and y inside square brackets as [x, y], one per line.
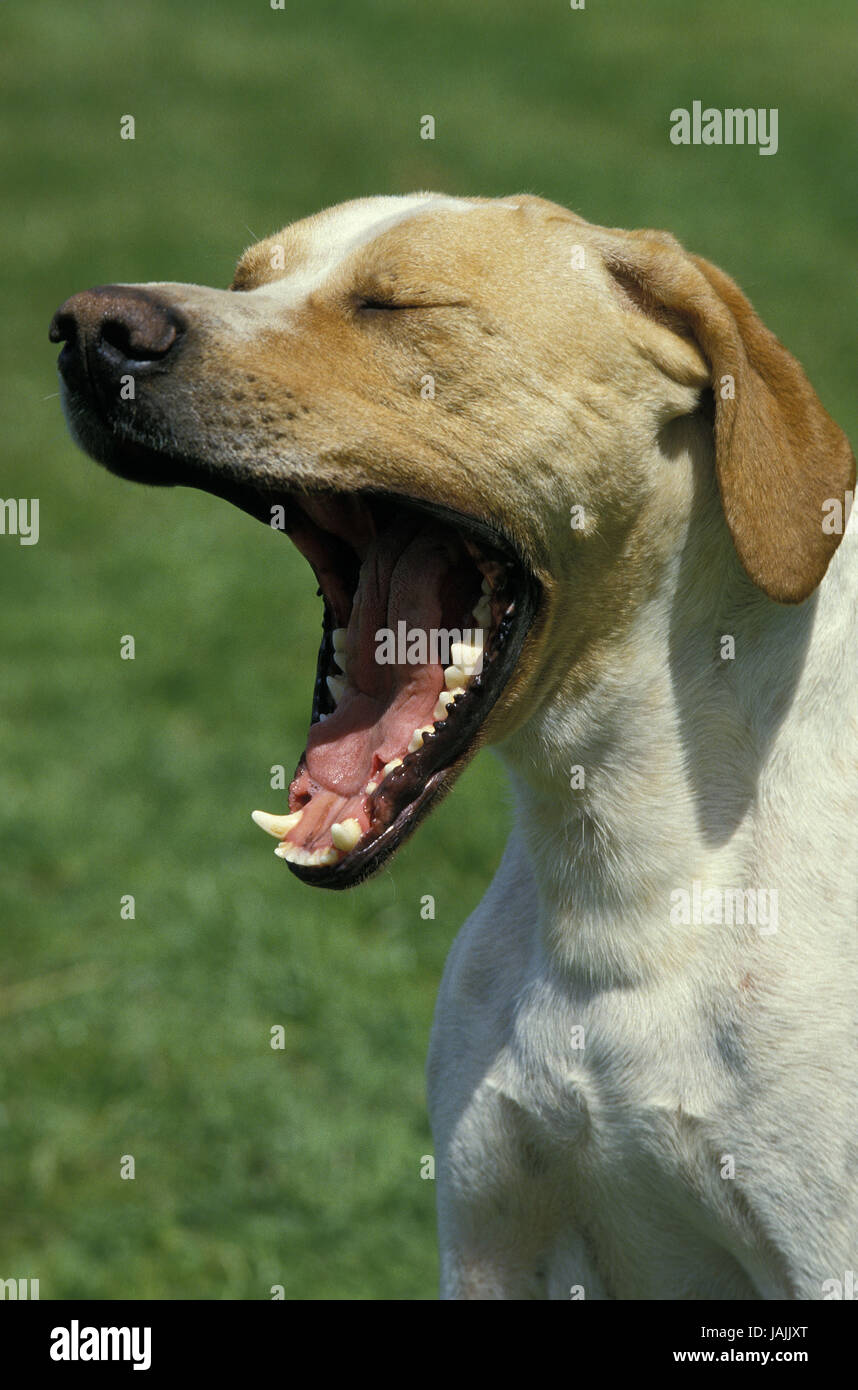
[114, 330]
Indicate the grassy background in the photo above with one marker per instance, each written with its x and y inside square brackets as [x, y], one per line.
[151, 1037]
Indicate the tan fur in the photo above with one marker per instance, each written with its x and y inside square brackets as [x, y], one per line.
[779, 455]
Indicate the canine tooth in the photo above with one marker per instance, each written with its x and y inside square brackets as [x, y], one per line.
[337, 686]
[388, 767]
[370, 788]
[482, 611]
[345, 834]
[486, 586]
[454, 677]
[466, 656]
[276, 825]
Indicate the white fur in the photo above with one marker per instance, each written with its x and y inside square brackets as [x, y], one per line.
[328, 239]
[596, 1170]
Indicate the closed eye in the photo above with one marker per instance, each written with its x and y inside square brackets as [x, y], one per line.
[392, 305]
[384, 305]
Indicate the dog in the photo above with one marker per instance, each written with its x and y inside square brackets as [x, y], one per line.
[580, 450]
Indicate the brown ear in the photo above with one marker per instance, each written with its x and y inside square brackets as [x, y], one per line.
[779, 455]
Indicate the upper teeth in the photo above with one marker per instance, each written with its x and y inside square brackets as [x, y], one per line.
[338, 637]
[337, 686]
[276, 825]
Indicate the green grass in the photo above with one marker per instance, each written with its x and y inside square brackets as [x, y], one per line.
[150, 1037]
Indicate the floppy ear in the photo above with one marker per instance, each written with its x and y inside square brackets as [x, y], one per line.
[778, 455]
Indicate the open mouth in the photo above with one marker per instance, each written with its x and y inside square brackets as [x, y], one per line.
[425, 614]
[425, 608]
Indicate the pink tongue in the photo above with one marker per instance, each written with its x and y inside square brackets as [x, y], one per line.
[400, 581]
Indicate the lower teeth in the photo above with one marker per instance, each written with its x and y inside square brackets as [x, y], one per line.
[416, 740]
[345, 835]
[314, 858]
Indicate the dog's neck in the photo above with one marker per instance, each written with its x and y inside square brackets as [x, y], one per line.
[683, 764]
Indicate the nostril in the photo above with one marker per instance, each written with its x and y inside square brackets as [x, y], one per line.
[118, 335]
[63, 328]
[139, 337]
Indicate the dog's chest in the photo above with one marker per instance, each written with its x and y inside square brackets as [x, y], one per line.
[615, 1074]
[611, 1104]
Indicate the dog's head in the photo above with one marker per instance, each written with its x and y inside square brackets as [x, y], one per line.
[453, 408]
